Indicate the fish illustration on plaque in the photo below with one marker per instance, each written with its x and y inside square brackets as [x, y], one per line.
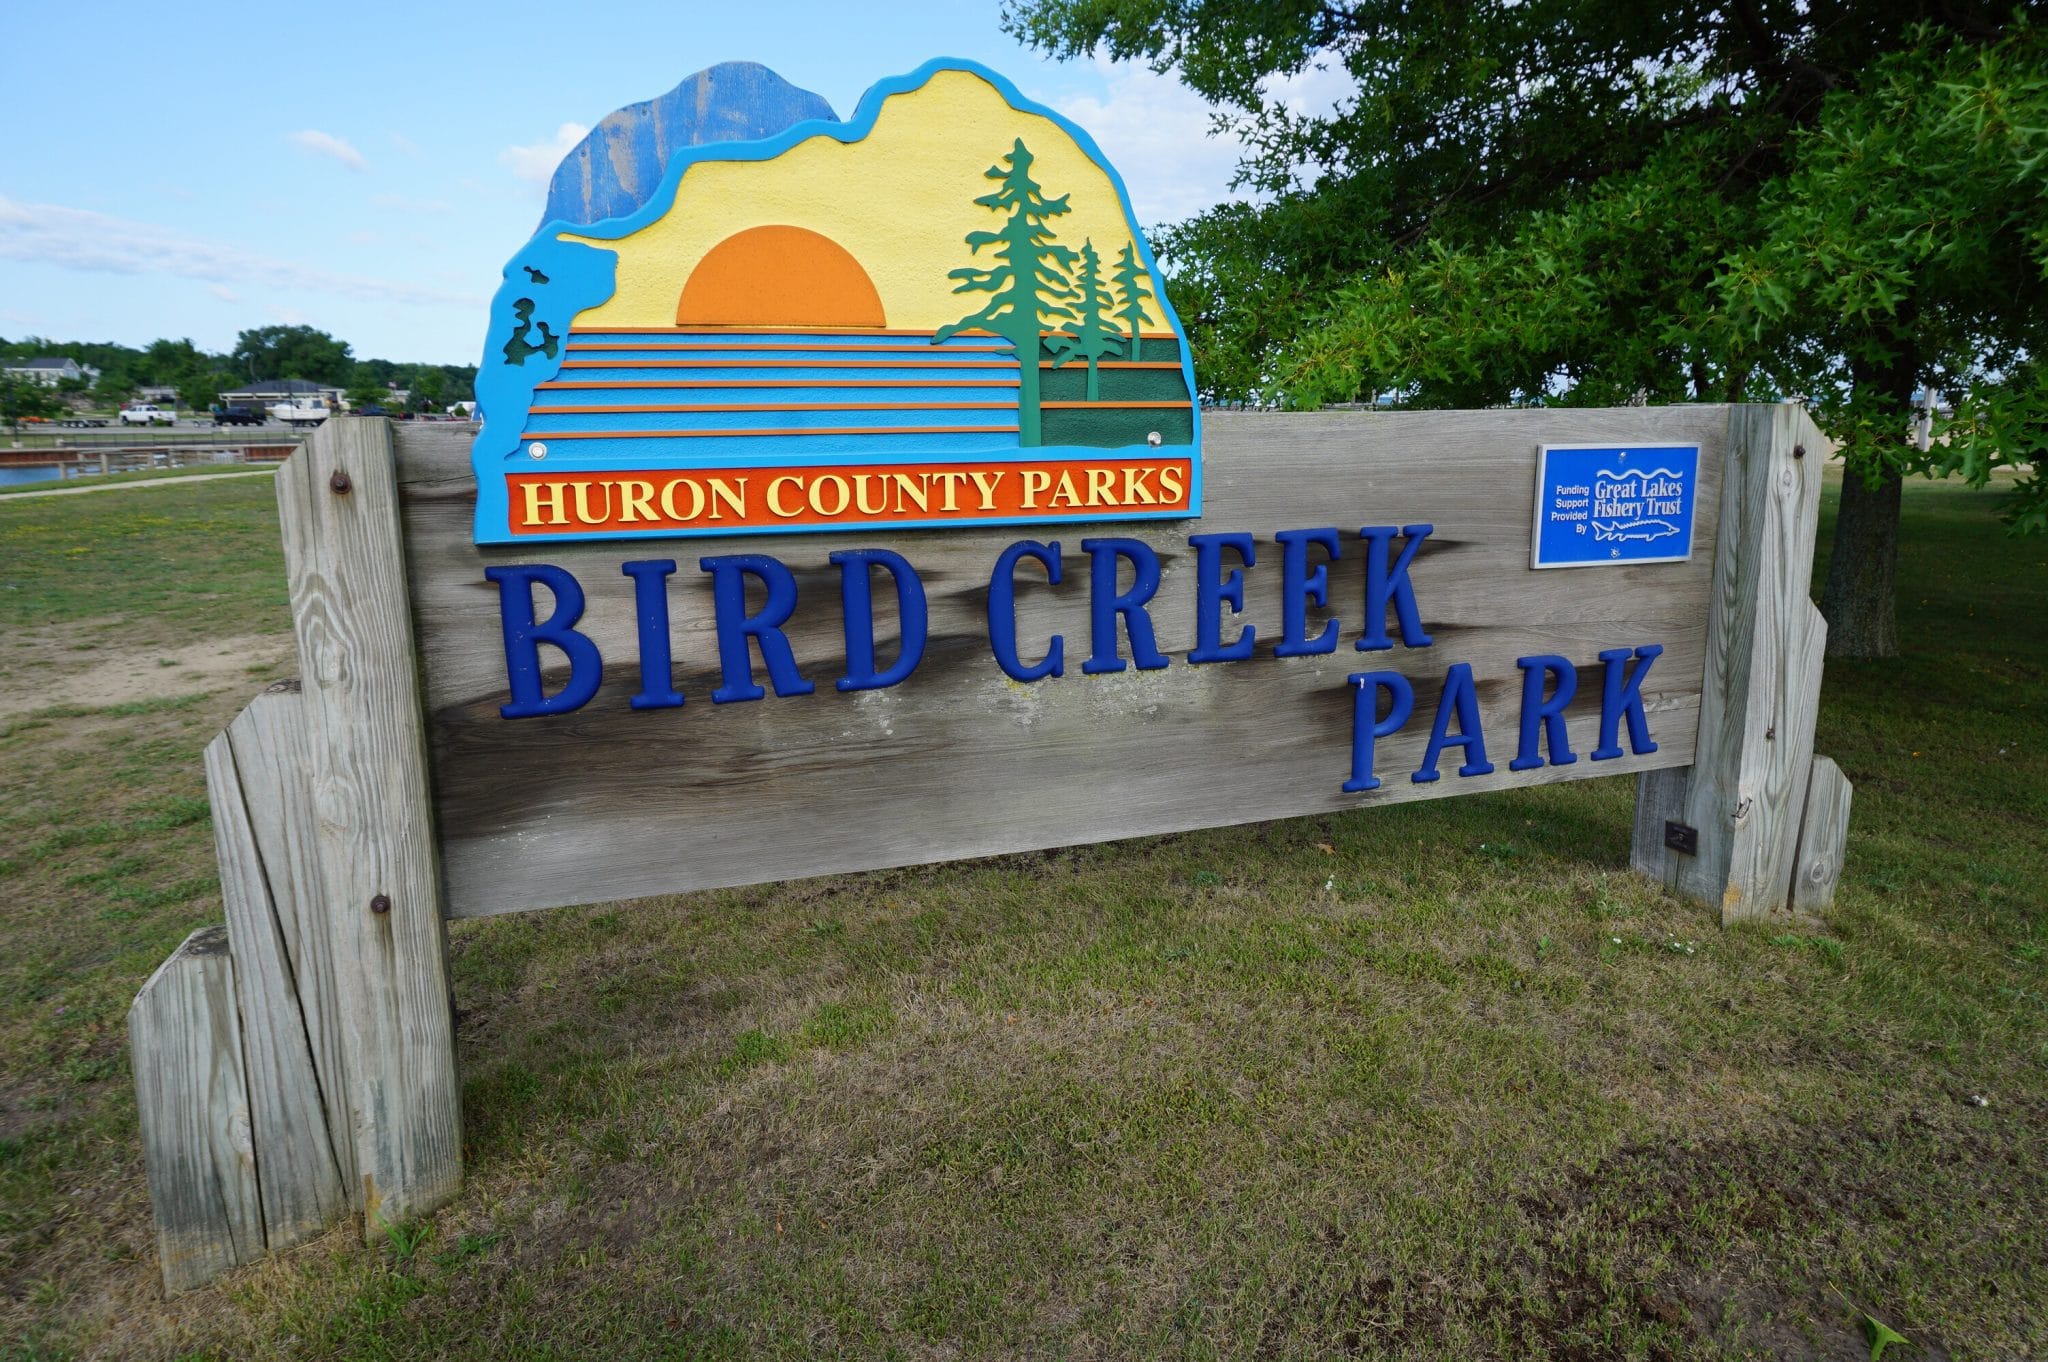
[938, 312]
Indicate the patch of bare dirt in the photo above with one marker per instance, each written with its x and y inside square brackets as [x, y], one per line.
[77, 665]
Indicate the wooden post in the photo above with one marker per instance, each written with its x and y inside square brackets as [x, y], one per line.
[1823, 837]
[379, 875]
[299, 1174]
[192, 1100]
[268, 743]
[1744, 796]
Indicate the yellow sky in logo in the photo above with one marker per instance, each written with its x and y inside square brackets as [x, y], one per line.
[900, 201]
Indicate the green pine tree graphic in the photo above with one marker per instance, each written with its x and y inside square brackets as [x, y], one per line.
[1027, 282]
[1131, 293]
[1093, 334]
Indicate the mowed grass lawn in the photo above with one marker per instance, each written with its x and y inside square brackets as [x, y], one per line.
[1442, 1080]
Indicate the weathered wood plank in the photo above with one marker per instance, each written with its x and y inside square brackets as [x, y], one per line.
[1766, 843]
[297, 1173]
[379, 880]
[268, 743]
[1745, 789]
[1823, 838]
[192, 1103]
[610, 802]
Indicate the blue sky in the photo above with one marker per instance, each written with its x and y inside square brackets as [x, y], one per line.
[369, 170]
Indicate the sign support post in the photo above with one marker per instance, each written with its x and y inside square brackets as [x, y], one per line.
[1743, 801]
[379, 874]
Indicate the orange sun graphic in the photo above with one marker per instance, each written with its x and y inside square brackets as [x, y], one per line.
[779, 276]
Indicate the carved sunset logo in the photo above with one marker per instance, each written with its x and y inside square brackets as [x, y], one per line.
[939, 312]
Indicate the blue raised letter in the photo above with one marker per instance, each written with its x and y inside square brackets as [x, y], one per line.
[1621, 692]
[735, 626]
[1385, 582]
[1211, 592]
[1002, 611]
[1299, 586]
[1541, 719]
[1104, 605]
[523, 638]
[1365, 708]
[856, 595]
[650, 606]
[1461, 696]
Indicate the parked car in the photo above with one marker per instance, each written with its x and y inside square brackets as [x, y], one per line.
[371, 411]
[147, 414]
[237, 416]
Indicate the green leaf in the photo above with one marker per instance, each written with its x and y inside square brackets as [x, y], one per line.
[1881, 1336]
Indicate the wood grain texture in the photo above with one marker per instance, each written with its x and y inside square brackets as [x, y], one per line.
[958, 761]
[297, 1172]
[268, 743]
[338, 509]
[1767, 843]
[1823, 838]
[1746, 789]
[193, 1106]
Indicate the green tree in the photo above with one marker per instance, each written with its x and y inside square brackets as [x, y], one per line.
[1091, 335]
[1028, 279]
[1898, 250]
[362, 395]
[199, 390]
[271, 352]
[1589, 201]
[1594, 199]
[171, 362]
[428, 389]
[22, 398]
[1131, 294]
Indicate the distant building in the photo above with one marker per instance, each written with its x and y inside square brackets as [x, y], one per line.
[272, 391]
[50, 370]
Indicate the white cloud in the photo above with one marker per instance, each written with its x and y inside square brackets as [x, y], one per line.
[289, 316]
[399, 203]
[95, 243]
[405, 144]
[224, 293]
[535, 163]
[1161, 136]
[1157, 133]
[327, 144]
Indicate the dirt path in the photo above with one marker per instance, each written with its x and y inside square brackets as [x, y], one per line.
[146, 482]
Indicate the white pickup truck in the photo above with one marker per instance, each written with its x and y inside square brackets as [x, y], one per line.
[310, 413]
[144, 414]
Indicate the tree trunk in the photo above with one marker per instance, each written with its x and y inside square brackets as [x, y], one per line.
[1858, 599]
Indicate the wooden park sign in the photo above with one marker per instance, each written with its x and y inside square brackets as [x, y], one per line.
[761, 568]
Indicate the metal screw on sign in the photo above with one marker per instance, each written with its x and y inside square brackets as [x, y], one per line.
[339, 483]
[381, 904]
[536, 450]
[1152, 438]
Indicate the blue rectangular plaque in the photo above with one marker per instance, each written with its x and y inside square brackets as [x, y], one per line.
[1607, 504]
